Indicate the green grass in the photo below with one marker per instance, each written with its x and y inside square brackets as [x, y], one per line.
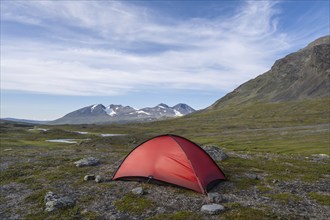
[284, 197]
[264, 189]
[67, 213]
[182, 215]
[37, 197]
[133, 204]
[283, 169]
[238, 212]
[322, 199]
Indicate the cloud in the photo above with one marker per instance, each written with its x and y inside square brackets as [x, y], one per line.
[112, 47]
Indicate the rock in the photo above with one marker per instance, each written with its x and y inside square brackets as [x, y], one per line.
[89, 177]
[160, 210]
[215, 152]
[275, 181]
[54, 202]
[98, 179]
[8, 149]
[252, 176]
[138, 191]
[214, 197]
[89, 161]
[319, 157]
[212, 209]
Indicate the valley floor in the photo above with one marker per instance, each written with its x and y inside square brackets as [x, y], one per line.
[260, 184]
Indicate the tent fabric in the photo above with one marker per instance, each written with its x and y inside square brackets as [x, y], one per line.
[172, 159]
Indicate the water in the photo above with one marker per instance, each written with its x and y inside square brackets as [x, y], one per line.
[67, 141]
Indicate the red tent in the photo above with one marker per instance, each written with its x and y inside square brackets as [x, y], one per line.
[172, 159]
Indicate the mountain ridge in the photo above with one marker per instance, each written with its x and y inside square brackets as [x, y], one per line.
[304, 74]
[112, 113]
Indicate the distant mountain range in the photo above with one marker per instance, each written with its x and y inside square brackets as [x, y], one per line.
[25, 121]
[99, 114]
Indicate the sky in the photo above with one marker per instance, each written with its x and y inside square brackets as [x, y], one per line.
[59, 56]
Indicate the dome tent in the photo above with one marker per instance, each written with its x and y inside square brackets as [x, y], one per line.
[171, 159]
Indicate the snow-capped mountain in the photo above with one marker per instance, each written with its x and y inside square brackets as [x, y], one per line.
[122, 114]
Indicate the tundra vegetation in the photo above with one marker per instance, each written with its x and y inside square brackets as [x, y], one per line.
[276, 167]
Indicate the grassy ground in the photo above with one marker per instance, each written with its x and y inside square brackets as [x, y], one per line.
[275, 142]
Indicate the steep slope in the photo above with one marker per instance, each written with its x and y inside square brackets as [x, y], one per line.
[293, 93]
[87, 115]
[302, 75]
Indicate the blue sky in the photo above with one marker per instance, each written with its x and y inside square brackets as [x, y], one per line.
[58, 56]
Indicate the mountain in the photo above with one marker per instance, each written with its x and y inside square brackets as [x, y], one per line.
[295, 92]
[302, 75]
[122, 114]
[25, 120]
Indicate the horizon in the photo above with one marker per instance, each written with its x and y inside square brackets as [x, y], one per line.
[61, 56]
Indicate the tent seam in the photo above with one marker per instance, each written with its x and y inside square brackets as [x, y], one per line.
[199, 182]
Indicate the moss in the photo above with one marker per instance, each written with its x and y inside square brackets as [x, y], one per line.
[67, 213]
[284, 197]
[263, 189]
[246, 213]
[37, 197]
[90, 215]
[322, 199]
[17, 171]
[242, 184]
[232, 205]
[283, 169]
[133, 204]
[182, 215]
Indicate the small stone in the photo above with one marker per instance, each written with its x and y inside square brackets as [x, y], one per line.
[160, 210]
[214, 197]
[252, 176]
[8, 149]
[98, 179]
[89, 161]
[84, 211]
[275, 181]
[89, 177]
[212, 209]
[51, 206]
[138, 191]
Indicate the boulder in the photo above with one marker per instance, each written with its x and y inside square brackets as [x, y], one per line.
[89, 161]
[215, 152]
[138, 191]
[54, 202]
[212, 209]
[89, 177]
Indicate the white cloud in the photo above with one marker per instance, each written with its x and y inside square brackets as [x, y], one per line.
[96, 48]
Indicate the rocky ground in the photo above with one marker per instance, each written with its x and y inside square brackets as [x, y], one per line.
[258, 186]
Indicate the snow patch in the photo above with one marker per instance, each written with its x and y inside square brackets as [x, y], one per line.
[177, 113]
[143, 112]
[110, 111]
[93, 107]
